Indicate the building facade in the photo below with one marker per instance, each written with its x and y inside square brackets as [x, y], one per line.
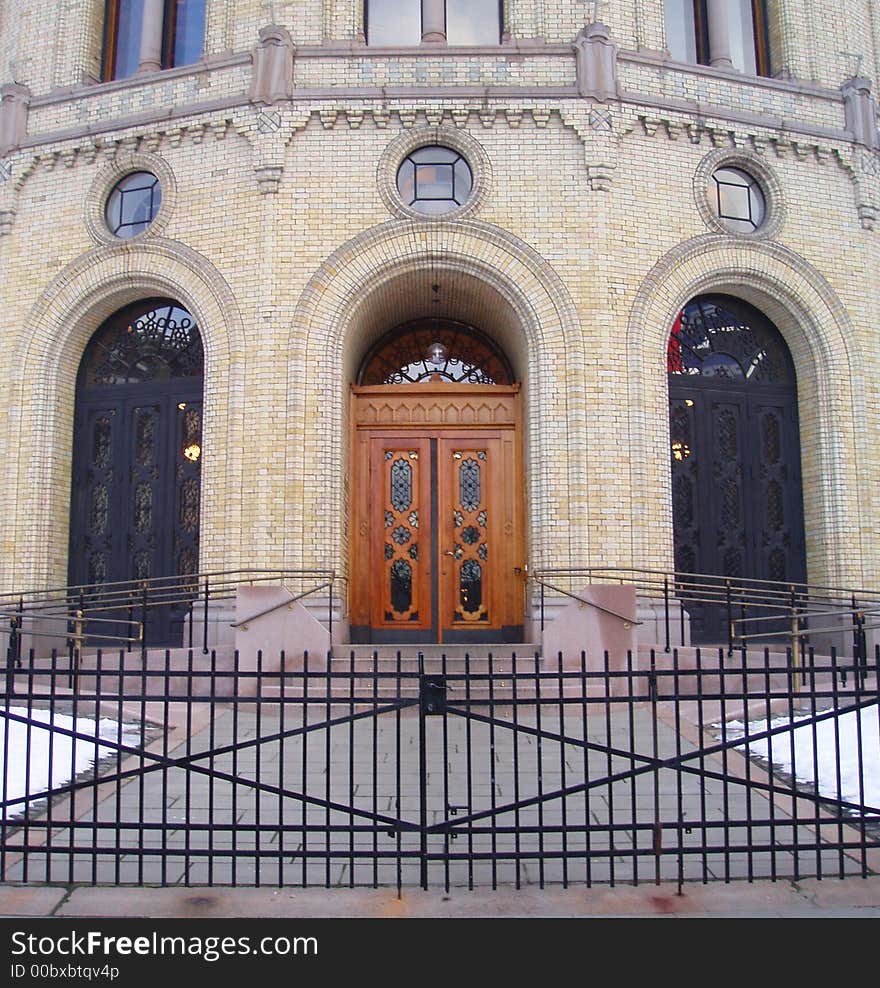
[438, 296]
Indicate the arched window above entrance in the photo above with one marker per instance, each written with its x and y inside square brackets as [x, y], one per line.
[151, 340]
[716, 336]
[435, 350]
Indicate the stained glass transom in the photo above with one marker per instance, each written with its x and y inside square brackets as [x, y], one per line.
[722, 337]
[148, 341]
[435, 350]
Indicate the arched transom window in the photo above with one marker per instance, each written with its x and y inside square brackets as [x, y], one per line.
[150, 340]
[722, 337]
[435, 350]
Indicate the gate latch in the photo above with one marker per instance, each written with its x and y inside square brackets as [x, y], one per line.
[432, 695]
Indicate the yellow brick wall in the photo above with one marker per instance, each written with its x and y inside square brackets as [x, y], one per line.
[585, 245]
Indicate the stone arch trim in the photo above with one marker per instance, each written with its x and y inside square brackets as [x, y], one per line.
[831, 392]
[48, 352]
[321, 331]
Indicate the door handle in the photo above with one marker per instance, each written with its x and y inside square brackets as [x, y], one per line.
[449, 552]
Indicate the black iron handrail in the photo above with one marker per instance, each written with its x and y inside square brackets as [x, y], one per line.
[800, 601]
[86, 603]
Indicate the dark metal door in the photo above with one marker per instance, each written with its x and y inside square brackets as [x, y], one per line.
[135, 505]
[735, 452]
[136, 469]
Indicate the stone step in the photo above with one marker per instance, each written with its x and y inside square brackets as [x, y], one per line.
[430, 651]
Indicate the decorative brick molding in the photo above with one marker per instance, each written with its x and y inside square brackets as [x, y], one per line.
[356, 295]
[112, 150]
[48, 352]
[823, 344]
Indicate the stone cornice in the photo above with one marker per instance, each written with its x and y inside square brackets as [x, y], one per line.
[697, 111]
[659, 60]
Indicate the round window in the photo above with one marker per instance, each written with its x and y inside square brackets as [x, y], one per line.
[133, 204]
[738, 200]
[434, 180]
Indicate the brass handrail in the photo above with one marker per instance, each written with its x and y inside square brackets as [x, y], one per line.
[592, 603]
[282, 603]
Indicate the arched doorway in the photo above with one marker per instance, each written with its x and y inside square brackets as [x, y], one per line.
[735, 451]
[437, 546]
[137, 455]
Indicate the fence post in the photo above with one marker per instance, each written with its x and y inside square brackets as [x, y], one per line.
[10, 660]
[131, 619]
[729, 596]
[205, 625]
[423, 779]
[666, 608]
[144, 598]
[18, 637]
[860, 656]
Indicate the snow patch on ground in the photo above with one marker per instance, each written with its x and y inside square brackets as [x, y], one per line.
[833, 746]
[27, 767]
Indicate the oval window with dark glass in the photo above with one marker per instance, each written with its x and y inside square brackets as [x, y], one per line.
[434, 180]
[133, 204]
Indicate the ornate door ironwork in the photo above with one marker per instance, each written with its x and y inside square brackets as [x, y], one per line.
[137, 459]
[735, 452]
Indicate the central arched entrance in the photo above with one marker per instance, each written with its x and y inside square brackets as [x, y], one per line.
[437, 516]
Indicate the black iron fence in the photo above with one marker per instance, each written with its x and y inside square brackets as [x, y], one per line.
[501, 770]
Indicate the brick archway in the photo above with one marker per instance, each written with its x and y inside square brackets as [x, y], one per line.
[818, 332]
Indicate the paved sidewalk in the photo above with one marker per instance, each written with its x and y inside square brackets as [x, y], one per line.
[830, 898]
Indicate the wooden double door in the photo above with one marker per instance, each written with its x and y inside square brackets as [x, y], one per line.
[437, 553]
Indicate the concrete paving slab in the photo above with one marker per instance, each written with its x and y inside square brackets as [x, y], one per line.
[850, 898]
[29, 900]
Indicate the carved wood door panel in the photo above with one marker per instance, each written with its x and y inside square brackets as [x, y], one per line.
[469, 533]
[400, 529]
[437, 553]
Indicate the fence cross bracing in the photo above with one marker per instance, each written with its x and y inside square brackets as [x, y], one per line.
[506, 770]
